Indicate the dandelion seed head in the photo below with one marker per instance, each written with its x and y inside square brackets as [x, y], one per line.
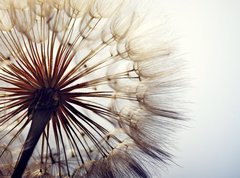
[84, 92]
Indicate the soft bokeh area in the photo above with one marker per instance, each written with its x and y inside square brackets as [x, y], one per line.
[209, 32]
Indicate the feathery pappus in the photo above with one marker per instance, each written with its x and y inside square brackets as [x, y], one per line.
[86, 90]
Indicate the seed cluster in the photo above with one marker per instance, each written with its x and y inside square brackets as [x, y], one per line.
[104, 84]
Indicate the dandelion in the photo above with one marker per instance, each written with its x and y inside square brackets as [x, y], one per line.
[84, 91]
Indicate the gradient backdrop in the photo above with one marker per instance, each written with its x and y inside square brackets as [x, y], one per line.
[209, 32]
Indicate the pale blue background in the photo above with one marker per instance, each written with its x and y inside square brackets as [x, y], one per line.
[209, 31]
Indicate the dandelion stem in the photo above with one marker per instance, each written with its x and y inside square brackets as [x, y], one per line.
[40, 112]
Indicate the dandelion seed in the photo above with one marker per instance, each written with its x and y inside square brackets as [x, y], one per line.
[83, 93]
